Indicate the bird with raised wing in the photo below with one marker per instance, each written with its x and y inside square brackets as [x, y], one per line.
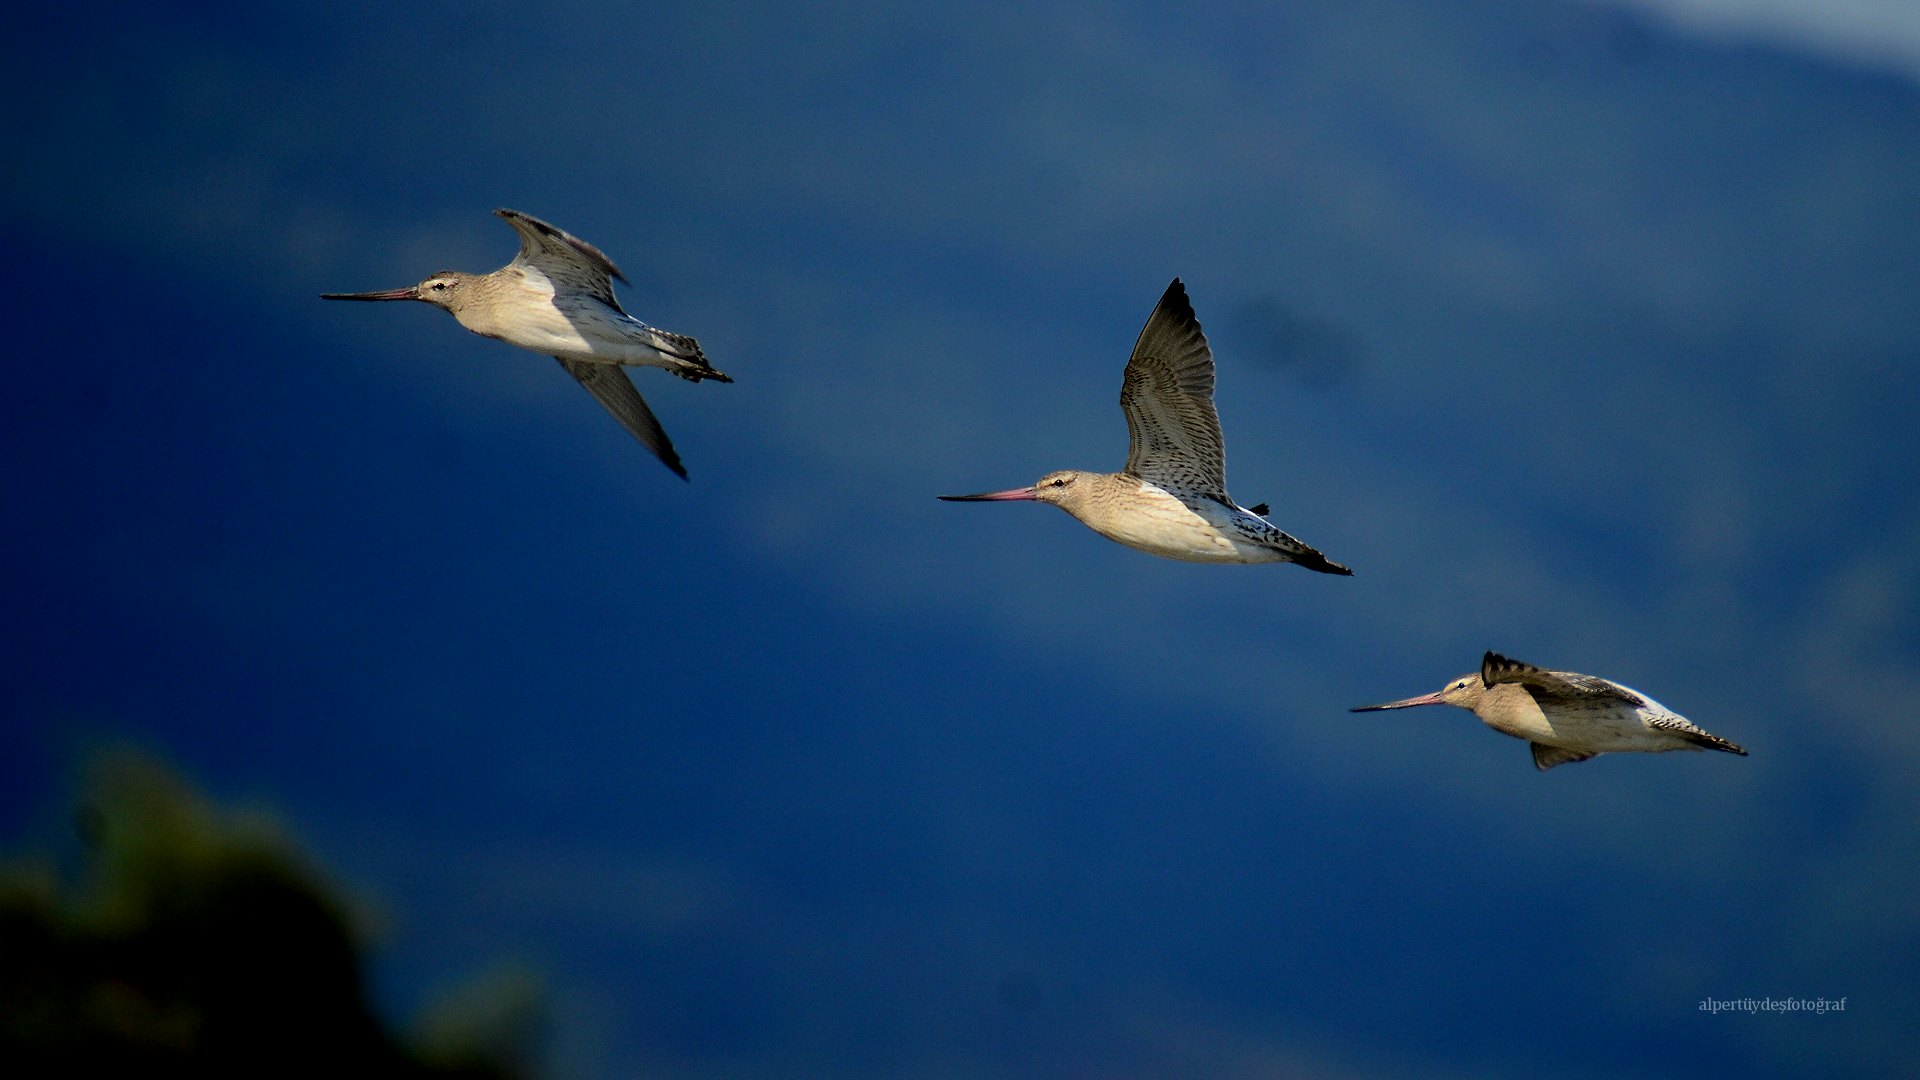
[556, 297]
[1171, 499]
[1565, 716]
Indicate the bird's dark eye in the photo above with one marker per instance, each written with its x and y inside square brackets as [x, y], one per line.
[439, 286]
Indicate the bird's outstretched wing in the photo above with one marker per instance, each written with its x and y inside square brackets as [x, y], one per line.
[609, 385]
[1496, 669]
[562, 257]
[1546, 757]
[1173, 431]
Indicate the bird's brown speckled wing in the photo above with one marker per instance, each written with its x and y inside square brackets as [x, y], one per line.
[564, 258]
[1496, 669]
[1172, 428]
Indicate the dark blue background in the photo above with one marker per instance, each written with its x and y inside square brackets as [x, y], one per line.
[1578, 337]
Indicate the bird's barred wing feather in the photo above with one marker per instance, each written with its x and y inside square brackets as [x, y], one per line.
[609, 385]
[563, 257]
[1496, 669]
[1681, 726]
[1173, 431]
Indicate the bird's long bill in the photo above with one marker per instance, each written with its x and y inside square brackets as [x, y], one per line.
[994, 496]
[1423, 699]
[411, 292]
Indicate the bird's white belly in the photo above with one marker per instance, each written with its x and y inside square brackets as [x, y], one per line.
[1597, 729]
[536, 326]
[584, 334]
[1159, 523]
[1511, 710]
[557, 335]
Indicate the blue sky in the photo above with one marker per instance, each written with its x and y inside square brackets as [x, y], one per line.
[1582, 333]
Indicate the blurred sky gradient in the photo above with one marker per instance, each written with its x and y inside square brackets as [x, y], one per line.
[1586, 333]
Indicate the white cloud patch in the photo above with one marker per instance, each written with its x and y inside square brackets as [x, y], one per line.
[1880, 33]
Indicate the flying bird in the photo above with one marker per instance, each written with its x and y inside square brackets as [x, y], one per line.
[1564, 716]
[1171, 499]
[556, 297]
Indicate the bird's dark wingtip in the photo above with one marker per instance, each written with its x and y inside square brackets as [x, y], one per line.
[1176, 302]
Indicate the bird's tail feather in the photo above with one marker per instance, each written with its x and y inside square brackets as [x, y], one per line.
[1711, 742]
[1313, 560]
[694, 366]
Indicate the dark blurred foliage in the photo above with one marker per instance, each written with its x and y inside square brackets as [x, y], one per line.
[201, 943]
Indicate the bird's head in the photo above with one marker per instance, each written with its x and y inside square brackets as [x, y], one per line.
[447, 289]
[1464, 692]
[1066, 489]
